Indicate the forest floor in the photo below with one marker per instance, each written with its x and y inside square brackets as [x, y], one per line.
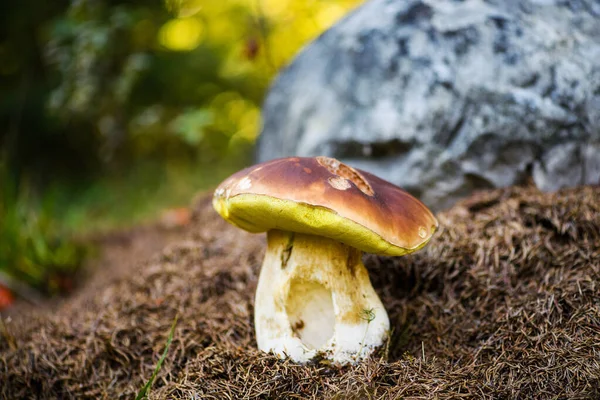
[503, 303]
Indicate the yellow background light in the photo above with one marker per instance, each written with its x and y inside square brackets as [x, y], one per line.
[181, 34]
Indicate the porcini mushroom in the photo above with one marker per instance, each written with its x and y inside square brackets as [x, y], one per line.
[314, 297]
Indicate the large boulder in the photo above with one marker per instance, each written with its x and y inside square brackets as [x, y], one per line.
[443, 97]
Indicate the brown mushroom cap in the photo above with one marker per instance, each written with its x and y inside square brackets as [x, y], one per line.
[325, 197]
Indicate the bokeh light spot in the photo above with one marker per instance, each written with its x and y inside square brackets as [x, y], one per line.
[181, 34]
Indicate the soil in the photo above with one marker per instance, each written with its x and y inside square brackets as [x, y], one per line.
[112, 255]
[503, 303]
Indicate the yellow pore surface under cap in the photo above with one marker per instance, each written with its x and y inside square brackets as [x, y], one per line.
[261, 213]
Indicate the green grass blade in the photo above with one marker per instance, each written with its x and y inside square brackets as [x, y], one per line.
[144, 392]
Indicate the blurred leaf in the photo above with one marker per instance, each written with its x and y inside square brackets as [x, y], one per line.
[32, 248]
[190, 125]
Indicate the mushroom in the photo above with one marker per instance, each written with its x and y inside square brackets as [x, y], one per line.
[314, 299]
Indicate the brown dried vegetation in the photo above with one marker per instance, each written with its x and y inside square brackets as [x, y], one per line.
[503, 303]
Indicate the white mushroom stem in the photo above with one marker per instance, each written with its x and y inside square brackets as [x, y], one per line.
[314, 300]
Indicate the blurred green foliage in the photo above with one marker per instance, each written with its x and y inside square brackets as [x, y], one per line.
[33, 249]
[116, 109]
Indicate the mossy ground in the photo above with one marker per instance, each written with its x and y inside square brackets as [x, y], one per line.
[503, 303]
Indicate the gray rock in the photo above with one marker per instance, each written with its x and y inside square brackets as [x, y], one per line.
[443, 97]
